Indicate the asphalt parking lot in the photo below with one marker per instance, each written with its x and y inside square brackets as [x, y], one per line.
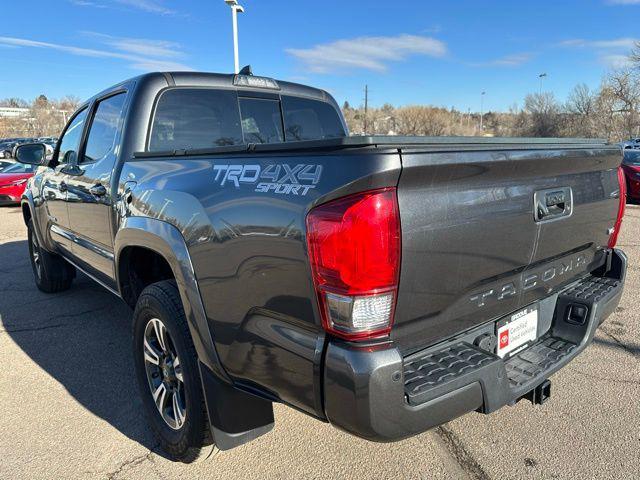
[70, 406]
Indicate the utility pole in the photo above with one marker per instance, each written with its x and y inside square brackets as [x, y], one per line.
[366, 106]
[235, 9]
[482, 111]
[542, 76]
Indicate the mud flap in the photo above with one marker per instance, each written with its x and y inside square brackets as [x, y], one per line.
[236, 417]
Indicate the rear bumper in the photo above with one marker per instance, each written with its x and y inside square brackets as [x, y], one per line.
[378, 395]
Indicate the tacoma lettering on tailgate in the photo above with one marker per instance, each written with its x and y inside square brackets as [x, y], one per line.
[544, 275]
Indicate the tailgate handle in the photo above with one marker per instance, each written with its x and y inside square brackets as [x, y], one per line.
[552, 203]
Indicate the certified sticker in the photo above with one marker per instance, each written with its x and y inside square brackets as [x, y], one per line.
[516, 331]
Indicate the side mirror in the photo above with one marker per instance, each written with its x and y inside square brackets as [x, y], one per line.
[31, 154]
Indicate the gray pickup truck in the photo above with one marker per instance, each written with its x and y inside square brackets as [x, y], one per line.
[383, 284]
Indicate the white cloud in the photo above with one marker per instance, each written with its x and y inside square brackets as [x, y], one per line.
[87, 3]
[369, 53]
[623, 2]
[150, 6]
[615, 61]
[625, 43]
[513, 60]
[139, 46]
[141, 54]
[613, 53]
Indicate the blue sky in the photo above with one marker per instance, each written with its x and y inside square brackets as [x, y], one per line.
[442, 52]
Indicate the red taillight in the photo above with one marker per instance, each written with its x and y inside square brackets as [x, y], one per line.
[613, 239]
[354, 250]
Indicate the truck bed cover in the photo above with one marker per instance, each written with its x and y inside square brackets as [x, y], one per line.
[395, 142]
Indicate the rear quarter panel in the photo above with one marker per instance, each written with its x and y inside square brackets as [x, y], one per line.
[248, 251]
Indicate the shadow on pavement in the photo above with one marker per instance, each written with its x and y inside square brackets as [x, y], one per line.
[80, 337]
[628, 347]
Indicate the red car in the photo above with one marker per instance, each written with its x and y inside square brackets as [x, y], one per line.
[631, 167]
[13, 181]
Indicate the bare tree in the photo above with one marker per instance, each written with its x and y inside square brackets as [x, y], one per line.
[68, 104]
[624, 86]
[605, 118]
[581, 109]
[13, 103]
[634, 56]
[543, 115]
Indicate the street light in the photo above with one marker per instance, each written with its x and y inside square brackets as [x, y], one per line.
[542, 76]
[235, 9]
[482, 111]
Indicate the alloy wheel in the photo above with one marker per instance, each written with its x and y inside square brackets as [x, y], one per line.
[164, 374]
[35, 254]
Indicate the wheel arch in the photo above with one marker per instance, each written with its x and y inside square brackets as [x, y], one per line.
[26, 212]
[235, 416]
[29, 214]
[164, 244]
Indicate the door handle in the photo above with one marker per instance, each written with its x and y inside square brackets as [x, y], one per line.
[98, 190]
[552, 203]
[62, 187]
[543, 210]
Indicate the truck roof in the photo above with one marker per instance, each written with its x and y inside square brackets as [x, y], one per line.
[226, 80]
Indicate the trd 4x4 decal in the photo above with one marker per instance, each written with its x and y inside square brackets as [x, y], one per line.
[279, 178]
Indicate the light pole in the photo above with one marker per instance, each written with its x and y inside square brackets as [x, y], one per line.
[482, 111]
[235, 9]
[542, 76]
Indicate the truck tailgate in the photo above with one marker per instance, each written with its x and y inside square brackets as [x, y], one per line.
[472, 247]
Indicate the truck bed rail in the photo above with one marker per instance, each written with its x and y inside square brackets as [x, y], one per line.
[392, 142]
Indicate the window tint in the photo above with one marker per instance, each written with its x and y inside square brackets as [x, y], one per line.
[71, 140]
[20, 168]
[102, 133]
[306, 119]
[261, 120]
[631, 157]
[195, 118]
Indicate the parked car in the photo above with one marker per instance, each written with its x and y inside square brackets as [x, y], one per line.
[5, 164]
[384, 284]
[6, 149]
[631, 166]
[632, 143]
[13, 180]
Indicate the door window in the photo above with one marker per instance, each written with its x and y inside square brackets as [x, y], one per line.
[70, 142]
[104, 128]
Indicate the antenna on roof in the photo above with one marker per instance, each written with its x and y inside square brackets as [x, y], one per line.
[246, 70]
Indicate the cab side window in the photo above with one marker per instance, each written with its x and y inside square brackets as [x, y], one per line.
[192, 118]
[104, 128]
[70, 142]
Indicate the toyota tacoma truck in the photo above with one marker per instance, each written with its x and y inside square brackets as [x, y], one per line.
[383, 284]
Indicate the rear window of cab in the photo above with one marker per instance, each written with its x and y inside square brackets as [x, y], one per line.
[201, 118]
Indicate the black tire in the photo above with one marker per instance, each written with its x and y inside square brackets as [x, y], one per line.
[50, 271]
[192, 440]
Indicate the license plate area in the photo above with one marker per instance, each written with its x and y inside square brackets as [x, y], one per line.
[516, 332]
